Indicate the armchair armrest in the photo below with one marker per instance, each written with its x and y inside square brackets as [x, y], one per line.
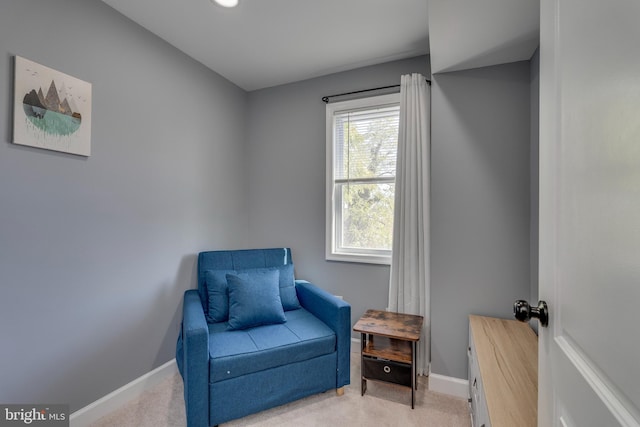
[336, 314]
[195, 335]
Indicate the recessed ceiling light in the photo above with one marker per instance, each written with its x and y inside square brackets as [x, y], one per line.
[227, 3]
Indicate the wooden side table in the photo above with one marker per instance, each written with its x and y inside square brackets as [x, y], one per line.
[388, 351]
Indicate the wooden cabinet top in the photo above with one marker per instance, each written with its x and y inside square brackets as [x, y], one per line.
[507, 354]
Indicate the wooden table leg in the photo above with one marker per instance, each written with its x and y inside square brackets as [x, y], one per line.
[363, 382]
[415, 352]
[414, 374]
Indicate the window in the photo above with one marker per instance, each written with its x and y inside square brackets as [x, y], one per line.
[362, 143]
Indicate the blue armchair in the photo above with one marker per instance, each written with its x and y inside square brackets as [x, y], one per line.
[254, 338]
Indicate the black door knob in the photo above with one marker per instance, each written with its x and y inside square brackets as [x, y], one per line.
[523, 312]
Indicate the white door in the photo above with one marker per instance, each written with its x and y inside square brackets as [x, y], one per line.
[590, 213]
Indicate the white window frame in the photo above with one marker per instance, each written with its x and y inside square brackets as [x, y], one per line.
[332, 250]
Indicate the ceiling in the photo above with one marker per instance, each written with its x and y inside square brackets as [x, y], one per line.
[470, 34]
[264, 43]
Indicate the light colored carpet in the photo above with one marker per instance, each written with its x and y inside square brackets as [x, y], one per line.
[382, 405]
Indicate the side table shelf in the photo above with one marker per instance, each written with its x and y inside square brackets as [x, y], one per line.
[388, 348]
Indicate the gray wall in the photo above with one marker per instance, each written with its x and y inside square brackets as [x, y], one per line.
[286, 170]
[480, 205]
[96, 252]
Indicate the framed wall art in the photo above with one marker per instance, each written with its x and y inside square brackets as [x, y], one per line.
[52, 110]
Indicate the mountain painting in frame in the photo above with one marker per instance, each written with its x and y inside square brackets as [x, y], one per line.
[51, 110]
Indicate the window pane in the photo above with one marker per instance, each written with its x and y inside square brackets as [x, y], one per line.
[362, 137]
[366, 143]
[367, 215]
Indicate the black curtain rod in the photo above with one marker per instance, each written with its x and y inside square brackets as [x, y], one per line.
[325, 99]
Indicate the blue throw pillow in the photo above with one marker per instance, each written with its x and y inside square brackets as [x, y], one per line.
[288, 288]
[217, 295]
[254, 299]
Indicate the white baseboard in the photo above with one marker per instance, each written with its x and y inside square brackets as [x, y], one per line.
[449, 385]
[116, 399]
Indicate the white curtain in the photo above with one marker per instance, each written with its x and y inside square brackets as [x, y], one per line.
[409, 282]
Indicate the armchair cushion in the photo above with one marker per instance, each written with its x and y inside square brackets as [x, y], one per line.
[254, 299]
[233, 353]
